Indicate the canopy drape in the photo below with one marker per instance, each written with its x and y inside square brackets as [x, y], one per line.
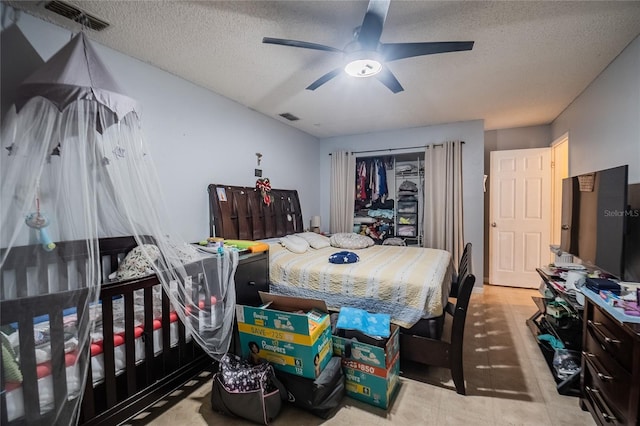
[75, 166]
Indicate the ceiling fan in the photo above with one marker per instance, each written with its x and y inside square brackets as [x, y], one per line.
[365, 56]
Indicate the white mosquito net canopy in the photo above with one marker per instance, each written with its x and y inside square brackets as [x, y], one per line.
[77, 169]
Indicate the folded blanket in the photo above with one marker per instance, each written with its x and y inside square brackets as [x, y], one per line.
[377, 325]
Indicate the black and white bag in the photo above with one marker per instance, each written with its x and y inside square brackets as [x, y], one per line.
[251, 392]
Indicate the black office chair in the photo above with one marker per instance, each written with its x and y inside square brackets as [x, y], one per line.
[441, 353]
[463, 267]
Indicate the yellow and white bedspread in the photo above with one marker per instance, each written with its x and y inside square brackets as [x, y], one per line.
[409, 283]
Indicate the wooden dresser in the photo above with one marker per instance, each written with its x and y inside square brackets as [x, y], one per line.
[252, 276]
[610, 377]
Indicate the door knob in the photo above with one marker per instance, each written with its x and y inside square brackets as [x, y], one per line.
[565, 227]
[493, 224]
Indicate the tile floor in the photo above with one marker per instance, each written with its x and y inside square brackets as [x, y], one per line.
[508, 382]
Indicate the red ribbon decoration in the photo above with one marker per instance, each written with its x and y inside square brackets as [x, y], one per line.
[264, 186]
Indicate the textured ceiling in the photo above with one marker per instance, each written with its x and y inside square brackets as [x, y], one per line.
[529, 61]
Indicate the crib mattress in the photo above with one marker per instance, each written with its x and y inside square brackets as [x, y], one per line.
[14, 393]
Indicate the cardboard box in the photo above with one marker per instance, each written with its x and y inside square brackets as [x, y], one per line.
[293, 334]
[369, 354]
[373, 385]
[371, 372]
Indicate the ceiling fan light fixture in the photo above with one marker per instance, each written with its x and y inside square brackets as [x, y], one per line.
[362, 63]
[363, 67]
[365, 55]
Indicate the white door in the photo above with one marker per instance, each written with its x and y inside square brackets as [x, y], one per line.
[519, 216]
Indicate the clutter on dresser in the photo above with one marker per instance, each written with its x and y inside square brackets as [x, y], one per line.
[218, 244]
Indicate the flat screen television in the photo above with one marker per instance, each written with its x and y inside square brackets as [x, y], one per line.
[632, 243]
[594, 219]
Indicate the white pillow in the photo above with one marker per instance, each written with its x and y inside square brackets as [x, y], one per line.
[350, 241]
[294, 243]
[316, 241]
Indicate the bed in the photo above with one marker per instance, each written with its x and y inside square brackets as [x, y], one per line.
[134, 314]
[410, 283]
[404, 282]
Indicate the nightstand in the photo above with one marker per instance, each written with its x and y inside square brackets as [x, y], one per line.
[252, 276]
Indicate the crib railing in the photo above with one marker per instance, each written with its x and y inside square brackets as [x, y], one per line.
[145, 380]
[34, 282]
[22, 312]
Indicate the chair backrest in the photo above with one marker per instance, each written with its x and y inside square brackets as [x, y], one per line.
[461, 307]
[464, 267]
[464, 283]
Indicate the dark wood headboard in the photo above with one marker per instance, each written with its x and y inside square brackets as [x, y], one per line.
[239, 212]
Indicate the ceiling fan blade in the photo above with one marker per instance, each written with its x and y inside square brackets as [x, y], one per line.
[371, 28]
[302, 44]
[322, 80]
[388, 79]
[395, 51]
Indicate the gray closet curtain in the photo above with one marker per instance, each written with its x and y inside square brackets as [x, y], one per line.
[443, 227]
[343, 188]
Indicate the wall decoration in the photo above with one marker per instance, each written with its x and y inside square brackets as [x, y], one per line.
[264, 186]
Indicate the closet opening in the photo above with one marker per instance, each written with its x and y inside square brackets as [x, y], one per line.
[389, 199]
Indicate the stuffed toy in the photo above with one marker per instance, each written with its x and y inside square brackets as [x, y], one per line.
[10, 367]
[39, 222]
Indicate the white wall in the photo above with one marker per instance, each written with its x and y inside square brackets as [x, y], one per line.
[472, 132]
[197, 137]
[604, 131]
[604, 121]
[517, 138]
[505, 139]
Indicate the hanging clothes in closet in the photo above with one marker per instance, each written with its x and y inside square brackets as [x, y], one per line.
[373, 209]
[371, 179]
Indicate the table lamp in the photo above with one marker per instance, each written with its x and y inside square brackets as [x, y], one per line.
[315, 224]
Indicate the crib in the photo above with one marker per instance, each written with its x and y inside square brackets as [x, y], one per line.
[119, 382]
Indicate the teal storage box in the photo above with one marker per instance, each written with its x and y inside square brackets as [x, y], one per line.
[371, 372]
[291, 333]
[369, 354]
[373, 385]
